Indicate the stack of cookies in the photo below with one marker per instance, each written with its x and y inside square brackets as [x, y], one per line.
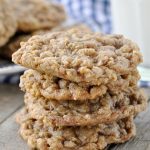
[23, 18]
[80, 91]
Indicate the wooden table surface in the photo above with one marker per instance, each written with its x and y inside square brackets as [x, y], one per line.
[11, 100]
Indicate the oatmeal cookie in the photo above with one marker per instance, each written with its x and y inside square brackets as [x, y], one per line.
[8, 23]
[50, 87]
[37, 14]
[14, 43]
[40, 136]
[91, 58]
[90, 112]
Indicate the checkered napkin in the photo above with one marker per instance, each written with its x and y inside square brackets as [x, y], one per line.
[96, 14]
[10, 73]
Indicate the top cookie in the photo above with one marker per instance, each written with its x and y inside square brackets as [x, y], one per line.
[14, 43]
[8, 23]
[90, 58]
[37, 14]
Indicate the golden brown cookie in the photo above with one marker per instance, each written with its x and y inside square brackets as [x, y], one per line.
[14, 43]
[50, 87]
[8, 23]
[106, 109]
[37, 14]
[90, 58]
[40, 136]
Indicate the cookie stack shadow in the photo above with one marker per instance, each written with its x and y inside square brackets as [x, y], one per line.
[80, 91]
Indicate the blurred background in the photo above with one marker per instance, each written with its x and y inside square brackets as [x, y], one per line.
[94, 13]
[127, 17]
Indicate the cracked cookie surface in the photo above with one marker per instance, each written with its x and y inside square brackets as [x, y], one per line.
[40, 136]
[90, 58]
[105, 109]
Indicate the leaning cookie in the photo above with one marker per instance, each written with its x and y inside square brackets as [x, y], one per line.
[13, 45]
[8, 23]
[50, 87]
[90, 112]
[37, 14]
[90, 58]
[40, 136]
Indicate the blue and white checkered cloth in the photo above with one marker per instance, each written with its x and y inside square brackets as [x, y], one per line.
[10, 79]
[94, 13]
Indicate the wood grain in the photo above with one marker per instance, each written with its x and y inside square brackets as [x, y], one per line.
[11, 98]
[9, 136]
[142, 139]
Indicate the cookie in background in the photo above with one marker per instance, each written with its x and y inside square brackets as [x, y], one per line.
[8, 22]
[20, 19]
[37, 14]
